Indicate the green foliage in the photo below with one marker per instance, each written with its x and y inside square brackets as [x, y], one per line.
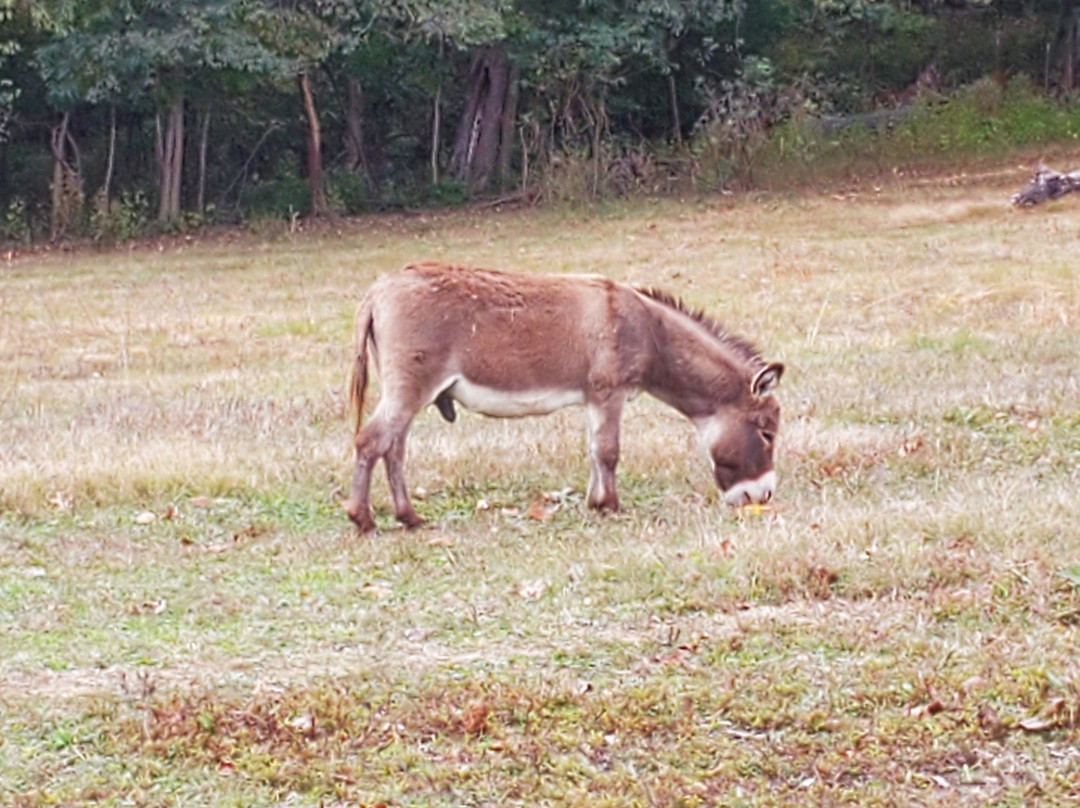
[134, 51]
[988, 118]
[447, 193]
[598, 80]
[281, 198]
[735, 124]
[348, 192]
[123, 219]
[14, 225]
[982, 119]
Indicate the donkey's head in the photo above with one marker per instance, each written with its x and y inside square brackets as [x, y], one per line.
[739, 438]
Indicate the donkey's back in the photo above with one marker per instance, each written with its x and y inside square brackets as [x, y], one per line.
[500, 343]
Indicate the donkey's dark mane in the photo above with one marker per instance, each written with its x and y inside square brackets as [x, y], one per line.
[745, 350]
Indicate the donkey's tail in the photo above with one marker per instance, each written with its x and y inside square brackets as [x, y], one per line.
[359, 376]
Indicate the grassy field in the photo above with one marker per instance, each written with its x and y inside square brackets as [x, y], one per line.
[187, 618]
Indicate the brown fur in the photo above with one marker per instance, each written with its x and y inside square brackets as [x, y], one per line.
[514, 344]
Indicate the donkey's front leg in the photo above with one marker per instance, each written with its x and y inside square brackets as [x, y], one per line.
[602, 417]
[399, 491]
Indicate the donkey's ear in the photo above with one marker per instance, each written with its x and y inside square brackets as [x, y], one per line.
[766, 379]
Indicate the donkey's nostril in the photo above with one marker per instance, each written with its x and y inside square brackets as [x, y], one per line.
[768, 494]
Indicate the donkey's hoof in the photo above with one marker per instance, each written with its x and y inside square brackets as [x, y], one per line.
[363, 521]
[605, 506]
[364, 526]
[411, 520]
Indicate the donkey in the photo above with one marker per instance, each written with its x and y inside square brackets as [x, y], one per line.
[509, 345]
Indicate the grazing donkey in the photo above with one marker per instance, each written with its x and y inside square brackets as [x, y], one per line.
[508, 345]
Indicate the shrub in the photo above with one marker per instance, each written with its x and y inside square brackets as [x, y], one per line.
[276, 199]
[985, 117]
[348, 192]
[447, 193]
[118, 220]
[14, 223]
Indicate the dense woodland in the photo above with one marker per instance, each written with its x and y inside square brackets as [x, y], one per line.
[122, 116]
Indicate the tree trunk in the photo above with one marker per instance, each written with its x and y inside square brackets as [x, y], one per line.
[67, 192]
[436, 126]
[1070, 50]
[676, 127]
[355, 153]
[169, 150]
[480, 138]
[1065, 43]
[204, 141]
[319, 206]
[110, 163]
[436, 120]
[509, 124]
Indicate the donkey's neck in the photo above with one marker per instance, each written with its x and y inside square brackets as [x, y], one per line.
[693, 367]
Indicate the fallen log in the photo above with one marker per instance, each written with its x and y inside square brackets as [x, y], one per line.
[1046, 184]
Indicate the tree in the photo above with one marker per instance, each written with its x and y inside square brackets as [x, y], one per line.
[147, 55]
[26, 24]
[296, 31]
[485, 134]
[485, 129]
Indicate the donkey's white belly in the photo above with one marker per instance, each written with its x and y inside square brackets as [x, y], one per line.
[511, 403]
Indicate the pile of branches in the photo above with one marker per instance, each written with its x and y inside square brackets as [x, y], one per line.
[1046, 184]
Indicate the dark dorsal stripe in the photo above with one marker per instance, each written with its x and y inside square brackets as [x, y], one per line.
[740, 347]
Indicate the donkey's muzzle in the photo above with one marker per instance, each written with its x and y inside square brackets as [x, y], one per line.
[752, 492]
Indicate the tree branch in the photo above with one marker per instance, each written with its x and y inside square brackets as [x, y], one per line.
[1046, 184]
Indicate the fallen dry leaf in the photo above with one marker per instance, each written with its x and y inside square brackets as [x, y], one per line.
[679, 656]
[972, 684]
[723, 549]
[377, 591]
[1049, 718]
[538, 510]
[990, 723]
[441, 540]
[929, 708]
[304, 724]
[148, 607]
[200, 502]
[145, 518]
[475, 719]
[62, 501]
[532, 590]
[910, 446]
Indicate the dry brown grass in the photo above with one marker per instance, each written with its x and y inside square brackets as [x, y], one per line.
[883, 637]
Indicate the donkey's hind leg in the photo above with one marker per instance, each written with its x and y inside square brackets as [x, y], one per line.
[373, 441]
[399, 491]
